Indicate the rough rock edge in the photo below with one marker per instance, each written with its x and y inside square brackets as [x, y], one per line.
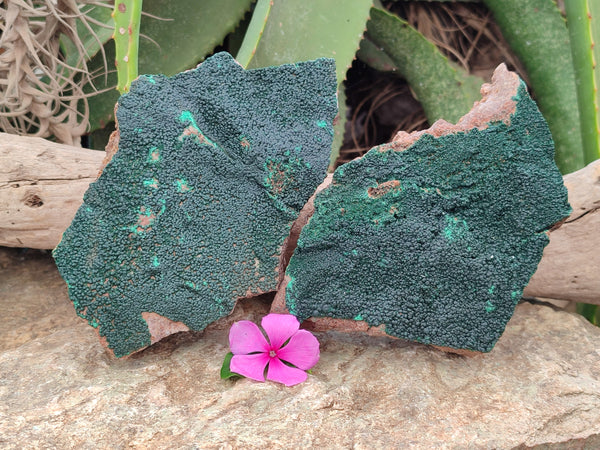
[496, 105]
[112, 146]
[291, 241]
[161, 327]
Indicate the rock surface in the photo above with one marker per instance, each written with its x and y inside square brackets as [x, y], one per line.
[433, 236]
[213, 166]
[59, 388]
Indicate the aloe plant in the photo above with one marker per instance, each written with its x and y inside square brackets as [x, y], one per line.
[283, 32]
[538, 35]
[254, 32]
[583, 31]
[445, 91]
[173, 37]
[127, 15]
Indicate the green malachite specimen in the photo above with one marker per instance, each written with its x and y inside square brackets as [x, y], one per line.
[435, 235]
[213, 167]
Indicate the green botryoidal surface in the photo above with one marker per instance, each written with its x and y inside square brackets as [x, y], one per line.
[435, 242]
[213, 167]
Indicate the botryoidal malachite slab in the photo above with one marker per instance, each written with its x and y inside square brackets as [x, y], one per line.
[213, 167]
[434, 236]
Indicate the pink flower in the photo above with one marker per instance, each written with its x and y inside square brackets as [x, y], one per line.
[286, 343]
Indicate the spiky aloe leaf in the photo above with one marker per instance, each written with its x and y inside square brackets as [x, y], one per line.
[297, 30]
[595, 13]
[254, 33]
[339, 126]
[444, 91]
[181, 38]
[537, 34]
[375, 57]
[582, 26]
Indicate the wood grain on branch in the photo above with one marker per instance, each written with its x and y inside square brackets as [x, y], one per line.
[41, 187]
[570, 266]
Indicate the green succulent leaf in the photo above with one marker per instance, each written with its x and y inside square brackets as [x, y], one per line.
[445, 91]
[338, 126]
[297, 30]
[590, 312]
[254, 33]
[584, 29]
[537, 33]
[375, 57]
[127, 15]
[595, 12]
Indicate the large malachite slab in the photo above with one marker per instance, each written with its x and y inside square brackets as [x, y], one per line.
[433, 237]
[212, 168]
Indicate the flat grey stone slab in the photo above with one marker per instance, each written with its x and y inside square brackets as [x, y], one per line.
[59, 388]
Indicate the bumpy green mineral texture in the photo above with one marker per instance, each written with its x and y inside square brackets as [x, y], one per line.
[213, 167]
[437, 241]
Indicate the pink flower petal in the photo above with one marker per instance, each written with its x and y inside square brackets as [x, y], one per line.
[302, 350]
[245, 337]
[250, 366]
[279, 328]
[281, 373]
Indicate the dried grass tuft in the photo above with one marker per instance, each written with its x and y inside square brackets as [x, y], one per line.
[42, 95]
[465, 32]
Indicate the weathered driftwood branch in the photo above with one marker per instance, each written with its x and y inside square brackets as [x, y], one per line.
[42, 185]
[570, 267]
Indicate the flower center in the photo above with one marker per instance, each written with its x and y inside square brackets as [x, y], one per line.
[272, 353]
